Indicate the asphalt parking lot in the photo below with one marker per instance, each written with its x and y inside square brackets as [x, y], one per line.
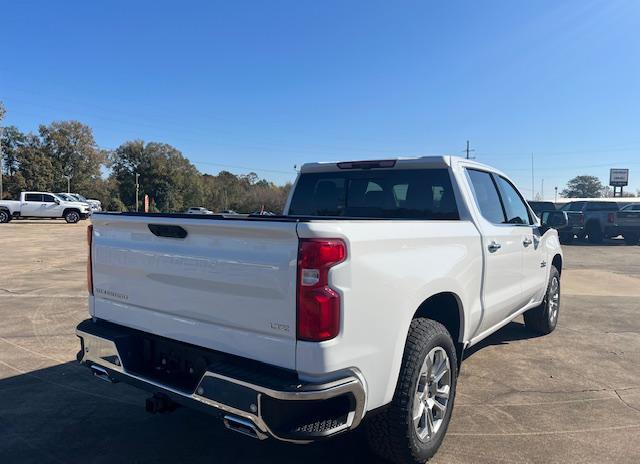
[571, 397]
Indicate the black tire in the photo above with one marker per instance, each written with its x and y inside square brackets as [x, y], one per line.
[541, 319]
[72, 217]
[391, 433]
[631, 238]
[594, 231]
[565, 238]
[5, 216]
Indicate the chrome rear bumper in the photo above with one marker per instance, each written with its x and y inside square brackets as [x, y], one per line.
[259, 402]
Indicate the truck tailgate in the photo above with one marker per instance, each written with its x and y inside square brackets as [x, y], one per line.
[229, 285]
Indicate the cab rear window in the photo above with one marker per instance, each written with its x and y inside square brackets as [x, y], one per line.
[379, 193]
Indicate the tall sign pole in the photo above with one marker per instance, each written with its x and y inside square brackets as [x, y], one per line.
[618, 178]
[137, 190]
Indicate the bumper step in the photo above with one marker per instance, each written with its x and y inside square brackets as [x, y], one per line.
[256, 399]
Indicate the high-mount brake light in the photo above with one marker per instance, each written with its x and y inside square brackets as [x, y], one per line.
[90, 260]
[367, 164]
[318, 307]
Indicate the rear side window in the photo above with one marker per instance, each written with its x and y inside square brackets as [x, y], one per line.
[573, 206]
[33, 197]
[486, 195]
[602, 206]
[379, 193]
[514, 205]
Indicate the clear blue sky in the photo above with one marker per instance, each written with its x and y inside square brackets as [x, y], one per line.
[265, 85]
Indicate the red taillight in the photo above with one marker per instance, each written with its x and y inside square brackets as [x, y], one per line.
[318, 304]
[89, 260]
[612, 218]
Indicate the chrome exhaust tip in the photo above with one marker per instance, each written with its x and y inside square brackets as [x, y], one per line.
[101, 373]
[244, 426]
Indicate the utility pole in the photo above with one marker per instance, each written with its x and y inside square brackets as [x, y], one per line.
[468, 151]
[137, 190]
[533, 188]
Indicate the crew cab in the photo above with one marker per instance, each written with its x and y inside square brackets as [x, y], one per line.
[595, 220]
[628, 219]
[353, 307]
[43, 205]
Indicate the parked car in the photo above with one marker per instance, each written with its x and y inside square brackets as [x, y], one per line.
[357, 304]
[96, 205]
[43, 205]
[539, 206]
[198, 210]
[594, 220]
[628, 220]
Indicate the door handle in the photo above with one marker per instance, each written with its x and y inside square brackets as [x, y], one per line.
[527, 241]
[494, 246]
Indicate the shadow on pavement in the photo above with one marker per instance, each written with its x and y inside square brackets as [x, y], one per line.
[62, 414]
[511, 332]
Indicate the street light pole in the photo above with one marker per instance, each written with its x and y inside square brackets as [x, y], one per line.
[556, 189]
[68, 183]
[137, 190]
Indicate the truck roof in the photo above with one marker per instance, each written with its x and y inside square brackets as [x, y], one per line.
[415, 162]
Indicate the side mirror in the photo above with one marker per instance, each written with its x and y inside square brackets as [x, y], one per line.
[57, 201]
[554, 219]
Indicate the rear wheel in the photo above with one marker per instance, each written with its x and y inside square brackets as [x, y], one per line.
[412, 427]
[631, 238]
[4, 216]
[72, 217]
[544, 318]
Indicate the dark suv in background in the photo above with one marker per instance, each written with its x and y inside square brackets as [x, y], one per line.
[595, 220]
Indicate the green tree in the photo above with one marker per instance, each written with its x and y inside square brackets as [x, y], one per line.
[73, 152]
[170, 180]
[36, 170]
[584, 187]
[13, 142]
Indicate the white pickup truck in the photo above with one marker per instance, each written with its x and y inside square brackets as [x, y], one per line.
[356, 304]
[43, 205]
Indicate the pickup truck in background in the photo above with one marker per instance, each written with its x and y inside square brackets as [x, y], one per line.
[95, 205]
[628, 219]
[198, 210]
[353, 307]
[43, 205]
[594, 220]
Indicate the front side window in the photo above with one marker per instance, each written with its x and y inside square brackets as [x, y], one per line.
[486, 195]
[515, 207]
[48, 199]
[376, 193]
